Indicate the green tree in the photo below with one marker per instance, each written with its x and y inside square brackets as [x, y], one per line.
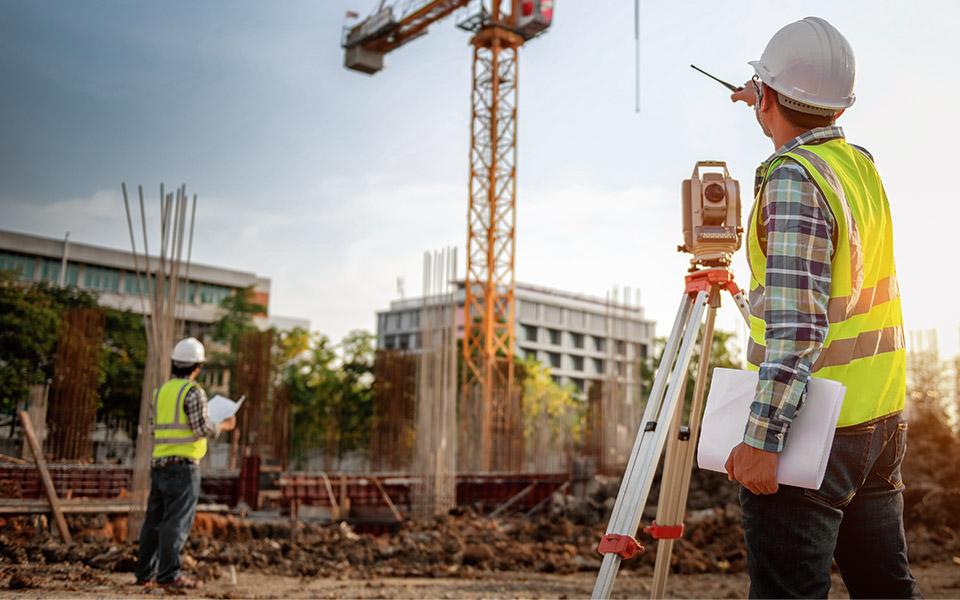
[331, 396]
[124, 357]
[29, 326]
[549, 409]
[238, 319]
[722, 354]
[239, 310]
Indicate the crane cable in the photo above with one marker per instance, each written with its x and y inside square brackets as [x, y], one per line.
[636, 41]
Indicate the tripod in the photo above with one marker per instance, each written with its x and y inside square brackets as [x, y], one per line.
[661, 426]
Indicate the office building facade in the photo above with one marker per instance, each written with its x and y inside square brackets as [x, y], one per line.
[581, 338]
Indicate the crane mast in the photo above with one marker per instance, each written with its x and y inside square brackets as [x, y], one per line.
[490, 411]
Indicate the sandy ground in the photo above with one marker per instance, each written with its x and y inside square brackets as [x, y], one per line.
[937, 581]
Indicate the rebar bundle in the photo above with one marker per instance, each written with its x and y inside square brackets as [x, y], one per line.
[72, 410]
[614, 405]
[394, 410]
[280, 426]
[252, 380]
[505, 420]
[159, 281]
[434, 490]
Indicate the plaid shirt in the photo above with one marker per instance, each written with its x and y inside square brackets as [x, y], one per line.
[195, 405]
[799, 227]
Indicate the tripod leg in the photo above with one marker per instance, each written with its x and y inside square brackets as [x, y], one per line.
[654, 400]
[647, 450]
[742, 305]
[683, 463]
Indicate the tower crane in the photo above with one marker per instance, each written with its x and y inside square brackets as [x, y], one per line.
[499, 28]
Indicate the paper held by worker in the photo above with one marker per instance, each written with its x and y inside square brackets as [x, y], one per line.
[803, 461]
[221, 408]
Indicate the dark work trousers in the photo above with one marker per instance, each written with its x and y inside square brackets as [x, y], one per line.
[855, 518]
[174, 491]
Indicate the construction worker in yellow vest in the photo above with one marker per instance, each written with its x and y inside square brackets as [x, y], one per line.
[825, 303]
[181, 427]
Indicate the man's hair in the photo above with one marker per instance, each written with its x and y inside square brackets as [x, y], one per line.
[797, 118]
[181, 370]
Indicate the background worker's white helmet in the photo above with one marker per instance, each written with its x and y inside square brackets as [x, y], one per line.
[189, 351]
[810, 65]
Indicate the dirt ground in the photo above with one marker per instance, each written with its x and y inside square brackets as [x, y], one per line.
[937, 581]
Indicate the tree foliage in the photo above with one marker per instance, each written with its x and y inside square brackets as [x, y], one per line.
[331, 394]
[29, 325]
[124, 357]
[545, 403]
[723, 353]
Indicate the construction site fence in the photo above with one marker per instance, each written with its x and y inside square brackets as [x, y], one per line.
[22, 481]
[362, 497]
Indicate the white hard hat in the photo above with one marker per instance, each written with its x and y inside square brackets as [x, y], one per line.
[811, 66]
[189, 351]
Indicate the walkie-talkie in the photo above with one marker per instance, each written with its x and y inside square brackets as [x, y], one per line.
[729, 86]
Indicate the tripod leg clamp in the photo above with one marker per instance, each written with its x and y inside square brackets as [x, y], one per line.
[664, 532]
[624, 545]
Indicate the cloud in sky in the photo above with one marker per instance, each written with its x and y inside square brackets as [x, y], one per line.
[332, 183]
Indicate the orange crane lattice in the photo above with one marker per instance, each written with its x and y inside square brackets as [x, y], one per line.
[490, 405]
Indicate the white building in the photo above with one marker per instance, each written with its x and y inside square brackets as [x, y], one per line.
[581, 338]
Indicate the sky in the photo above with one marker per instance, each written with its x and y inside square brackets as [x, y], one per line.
[333, 183]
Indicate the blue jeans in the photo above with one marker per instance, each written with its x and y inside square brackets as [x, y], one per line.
[174, 491]
[855, 518]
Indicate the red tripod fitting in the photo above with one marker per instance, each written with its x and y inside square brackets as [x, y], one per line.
[624, 545]
[704, 280]
[664, 532]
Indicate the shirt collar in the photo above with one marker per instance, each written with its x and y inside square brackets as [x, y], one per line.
[820, 134]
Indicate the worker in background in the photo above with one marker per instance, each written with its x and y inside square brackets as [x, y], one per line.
[825, 303]
[180, 432]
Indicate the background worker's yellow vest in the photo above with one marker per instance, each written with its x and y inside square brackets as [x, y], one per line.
[172, 435]
[864, 348]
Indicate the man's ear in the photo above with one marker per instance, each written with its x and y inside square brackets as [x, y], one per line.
[766, 98]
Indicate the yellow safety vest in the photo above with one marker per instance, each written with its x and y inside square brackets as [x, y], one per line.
[172, 435]
[864, 348]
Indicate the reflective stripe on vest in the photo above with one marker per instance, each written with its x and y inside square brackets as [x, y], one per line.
[172, 434]
[864, 348]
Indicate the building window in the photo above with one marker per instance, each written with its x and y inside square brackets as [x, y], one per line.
[576, 319]
[556, 379]
[51, 272]
[403, 342]
[531, 354]
[213, 294]
[390, 342]
[530, 333]
[23, 265]
[100, 278]
[395, 320]
[554, 358]
[598, 366]
[528, 310]
[577, 363]
[641, 351]
[577, 383]
[554, 335]
[552, 314]
[621, 348]
[577, 339]
[599, 344]
[597, 322]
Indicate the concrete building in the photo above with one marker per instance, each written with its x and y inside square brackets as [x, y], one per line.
[112, 275]
[581, 338]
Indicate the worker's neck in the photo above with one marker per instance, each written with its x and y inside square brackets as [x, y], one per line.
[785, 133]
